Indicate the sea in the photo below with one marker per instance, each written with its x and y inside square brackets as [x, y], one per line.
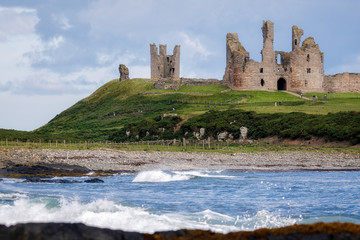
[221, 201]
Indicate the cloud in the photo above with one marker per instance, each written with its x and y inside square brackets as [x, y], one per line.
[17, 21]
[62, 21]
[193, 45]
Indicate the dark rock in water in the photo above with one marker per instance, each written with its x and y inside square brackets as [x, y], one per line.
[43, 170]
[77, 231]
[63, 231]
[48, 180]
[94, 180]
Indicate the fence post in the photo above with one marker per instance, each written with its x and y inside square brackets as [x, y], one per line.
[64, 143]
[209, 142]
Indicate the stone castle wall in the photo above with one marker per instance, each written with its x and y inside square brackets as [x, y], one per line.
[342, 82]
[163, 65]
[301, 70]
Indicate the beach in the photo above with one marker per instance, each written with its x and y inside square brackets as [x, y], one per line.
[135, 161]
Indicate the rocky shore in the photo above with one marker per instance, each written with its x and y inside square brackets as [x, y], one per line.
[80, 162]
[77, 231]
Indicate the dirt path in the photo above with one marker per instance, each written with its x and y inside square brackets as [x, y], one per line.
[298, 95]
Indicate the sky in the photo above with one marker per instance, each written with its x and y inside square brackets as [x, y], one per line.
[54, 53]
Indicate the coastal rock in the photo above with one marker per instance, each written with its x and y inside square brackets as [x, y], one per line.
[77, 231]
[243, 133]
[46, 180]
[94, 180]
[222, 136]
[202, 132]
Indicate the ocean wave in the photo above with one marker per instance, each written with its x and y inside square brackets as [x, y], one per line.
[160, 176]
[12, 196]
[169, 176]
[109, 214]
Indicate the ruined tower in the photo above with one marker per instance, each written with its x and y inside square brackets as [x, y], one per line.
[236, 59]
[302, 69]
[163, 65]
[268, 42]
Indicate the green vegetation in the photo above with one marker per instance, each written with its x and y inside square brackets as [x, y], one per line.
[342, 126]
[138, 107]
[192, 146]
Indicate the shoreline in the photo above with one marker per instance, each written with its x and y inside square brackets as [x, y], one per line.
[323, 231]
[49, 162]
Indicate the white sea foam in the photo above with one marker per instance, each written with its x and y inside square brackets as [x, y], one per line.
[264, 219]
[160, 176]
[12, 196]
[168, 176]
[109, 214]
[203, 174]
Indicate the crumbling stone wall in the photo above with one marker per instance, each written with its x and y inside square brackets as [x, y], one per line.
[302, 69]
[342, 82]
[163, 65]
[199, 81]
[124, 72]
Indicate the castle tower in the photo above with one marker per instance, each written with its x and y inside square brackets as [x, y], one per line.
[268, 55]
[296, 37]
[163, 65]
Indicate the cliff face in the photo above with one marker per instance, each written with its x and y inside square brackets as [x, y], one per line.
[62, 231]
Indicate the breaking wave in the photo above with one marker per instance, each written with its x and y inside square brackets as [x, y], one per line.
[109, 214]
[169, 176]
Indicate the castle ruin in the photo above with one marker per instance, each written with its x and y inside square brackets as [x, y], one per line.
[164, 66]
[301, 70]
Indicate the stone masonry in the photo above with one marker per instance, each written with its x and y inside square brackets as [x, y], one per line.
[164, 66]
[300, 70]
[124, 72]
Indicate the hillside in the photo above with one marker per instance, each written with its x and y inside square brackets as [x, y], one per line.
[118, 106]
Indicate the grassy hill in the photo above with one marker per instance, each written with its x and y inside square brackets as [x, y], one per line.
[117, 106]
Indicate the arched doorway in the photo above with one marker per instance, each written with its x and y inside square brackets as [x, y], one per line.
[281, 84]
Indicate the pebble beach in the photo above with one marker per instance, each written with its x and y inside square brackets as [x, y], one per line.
[135, 161]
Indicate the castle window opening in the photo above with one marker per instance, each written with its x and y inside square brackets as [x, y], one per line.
[305, 83]
[295, 42]
[261, 70]
[278, 59]
[308, 70]
[308, 58]
[278, 70]
[291, 70]
[285, 69]
[322, 59]
[262, 82]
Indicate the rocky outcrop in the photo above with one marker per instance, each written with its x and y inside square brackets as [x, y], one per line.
[124, 72]
[77, 231]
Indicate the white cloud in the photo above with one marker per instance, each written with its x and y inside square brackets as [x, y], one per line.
[63, 21]
[193, 44]
[17, 21]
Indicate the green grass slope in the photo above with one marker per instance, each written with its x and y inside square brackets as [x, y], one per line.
[135, 101]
